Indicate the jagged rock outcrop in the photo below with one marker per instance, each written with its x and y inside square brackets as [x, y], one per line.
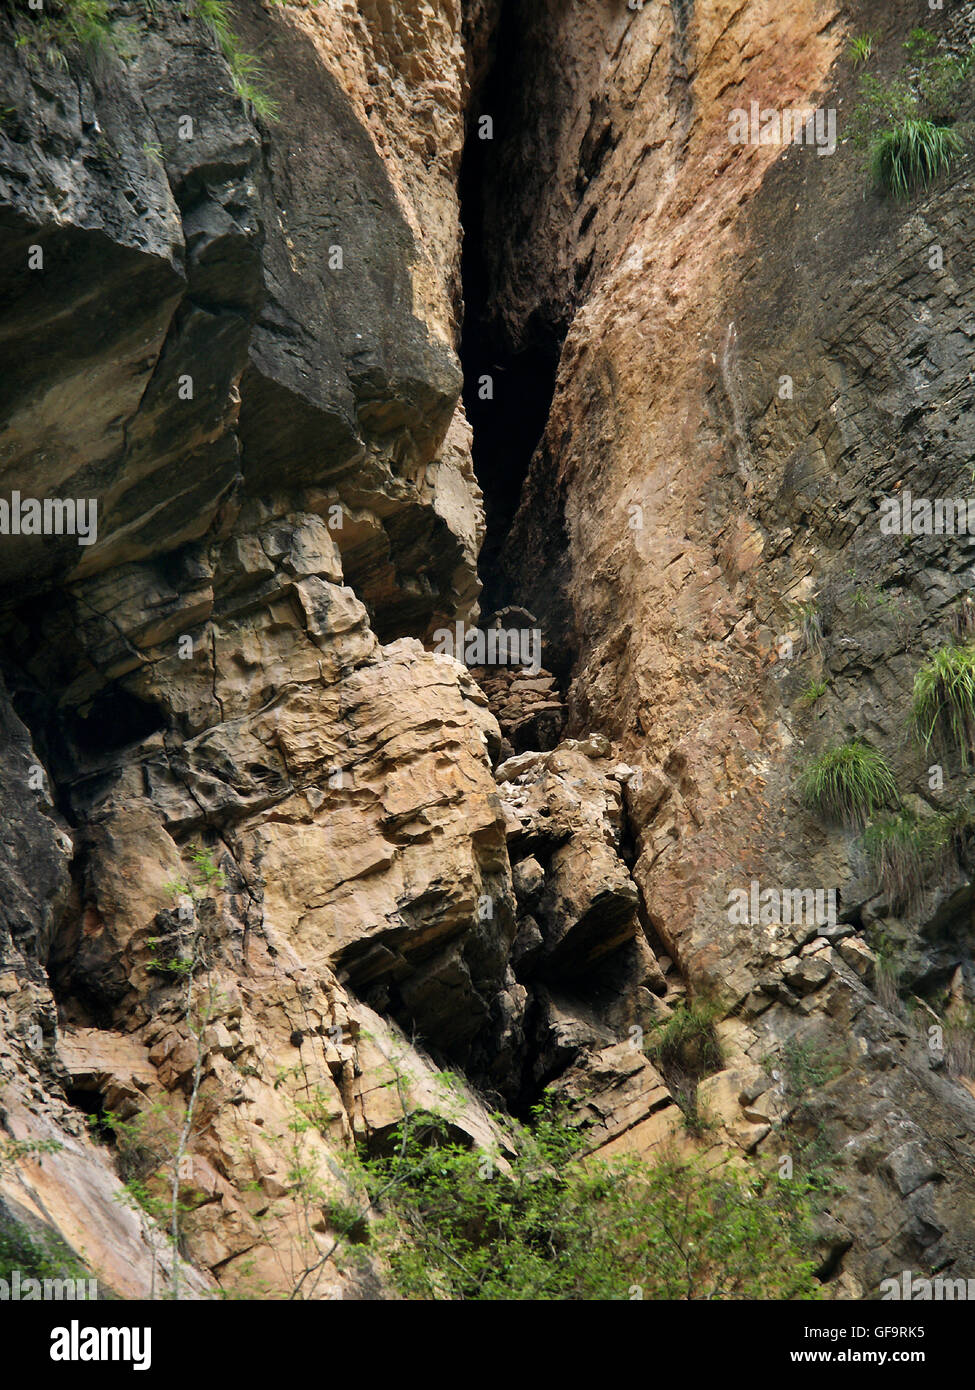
[239, 341]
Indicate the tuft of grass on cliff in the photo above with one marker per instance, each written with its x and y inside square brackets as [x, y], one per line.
[67, 26]
[912, 155]
[848, 783]
[943, 701]
[246, 70]
[908, 851]
[908, 123]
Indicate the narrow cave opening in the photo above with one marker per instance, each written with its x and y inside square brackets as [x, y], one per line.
[90, 1101]
[115, 720]
[508, 384]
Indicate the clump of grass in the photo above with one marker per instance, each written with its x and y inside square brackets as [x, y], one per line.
[814, 691]
[246, 71]
[963, 620]
[686, 1048]
[943, 702]
[861, 49]
[65, 26]
[959, 1048]
[849, 783]
[907, 851]
[688, 1037]
[888, 978]
[806, 614]
[911, 155]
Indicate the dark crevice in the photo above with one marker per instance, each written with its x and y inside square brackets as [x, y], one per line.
[508, 385]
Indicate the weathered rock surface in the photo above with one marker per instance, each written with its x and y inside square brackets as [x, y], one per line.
[222, 738]
[682, 503]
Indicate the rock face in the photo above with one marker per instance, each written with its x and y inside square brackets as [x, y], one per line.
[265, 851]
[250, 822]
[242, 348]
[756, 352]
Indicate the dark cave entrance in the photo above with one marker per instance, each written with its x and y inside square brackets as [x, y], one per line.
[508, 386]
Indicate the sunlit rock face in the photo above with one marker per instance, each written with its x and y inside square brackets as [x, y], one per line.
[228, 725]
[758, 348]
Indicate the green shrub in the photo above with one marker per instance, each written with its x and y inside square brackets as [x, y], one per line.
[848, 783]
[555, 1227]
[943, 703]
[911, 155]
[806, 1067]
[937, 74]
[907, 851]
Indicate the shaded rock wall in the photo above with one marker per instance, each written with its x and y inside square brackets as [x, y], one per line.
[243, 348]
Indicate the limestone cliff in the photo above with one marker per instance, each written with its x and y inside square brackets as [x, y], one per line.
[239, 771]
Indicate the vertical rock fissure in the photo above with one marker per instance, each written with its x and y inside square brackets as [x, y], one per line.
[508, 384]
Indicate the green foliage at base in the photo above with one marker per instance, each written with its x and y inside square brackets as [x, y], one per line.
[943, 702]
[36, 1256]
[555, 1227]
[848, 783]
[41, 1256]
